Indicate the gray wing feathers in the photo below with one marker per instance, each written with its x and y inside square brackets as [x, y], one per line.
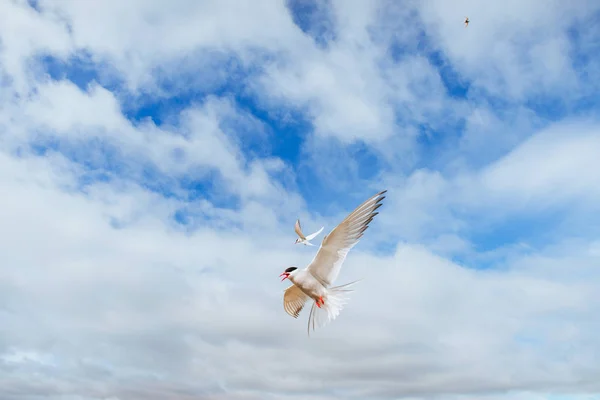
[294, 300]
[298, 229]
[336, 245]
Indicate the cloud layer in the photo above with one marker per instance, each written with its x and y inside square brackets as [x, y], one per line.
[155, 155]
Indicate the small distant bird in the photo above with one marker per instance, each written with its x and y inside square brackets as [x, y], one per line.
[305, 240]
[466, 21]
[314, 282]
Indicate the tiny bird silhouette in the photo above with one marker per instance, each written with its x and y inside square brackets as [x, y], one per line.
[466, 21]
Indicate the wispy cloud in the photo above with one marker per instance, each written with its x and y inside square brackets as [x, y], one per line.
[155, 155]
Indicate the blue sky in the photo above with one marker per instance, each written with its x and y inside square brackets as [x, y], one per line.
[155, 156]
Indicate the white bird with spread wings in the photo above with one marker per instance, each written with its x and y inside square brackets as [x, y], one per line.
[314, 282]
[305, 240]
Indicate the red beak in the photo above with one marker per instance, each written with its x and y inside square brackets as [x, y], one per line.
[285, 275]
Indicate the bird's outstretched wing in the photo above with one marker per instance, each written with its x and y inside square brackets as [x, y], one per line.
[313, 235]
[294, 300]
[335, 246]
[298, 229]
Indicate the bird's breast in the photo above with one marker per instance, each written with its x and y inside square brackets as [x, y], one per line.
[309, 285]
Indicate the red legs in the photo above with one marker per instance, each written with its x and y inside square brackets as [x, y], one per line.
[320, 302]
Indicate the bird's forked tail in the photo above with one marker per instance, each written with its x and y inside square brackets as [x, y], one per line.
[337, 297]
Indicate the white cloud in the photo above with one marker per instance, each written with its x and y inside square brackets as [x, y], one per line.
[139, 36]
[514, 48]
[26, 33]
[103, 295]
[554, 166]
[181, 308]
[553, 171]
[346, 86]
[198, 144]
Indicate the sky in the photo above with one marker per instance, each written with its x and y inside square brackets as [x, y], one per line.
[154, 156]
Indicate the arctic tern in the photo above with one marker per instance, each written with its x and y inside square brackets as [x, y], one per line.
[305, 240]
[314, 282]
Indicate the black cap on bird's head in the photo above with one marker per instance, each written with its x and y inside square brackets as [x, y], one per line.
[287, 272]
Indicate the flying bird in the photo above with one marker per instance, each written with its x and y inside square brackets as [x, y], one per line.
[305, 240]
[466, 21]
[314, 282]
